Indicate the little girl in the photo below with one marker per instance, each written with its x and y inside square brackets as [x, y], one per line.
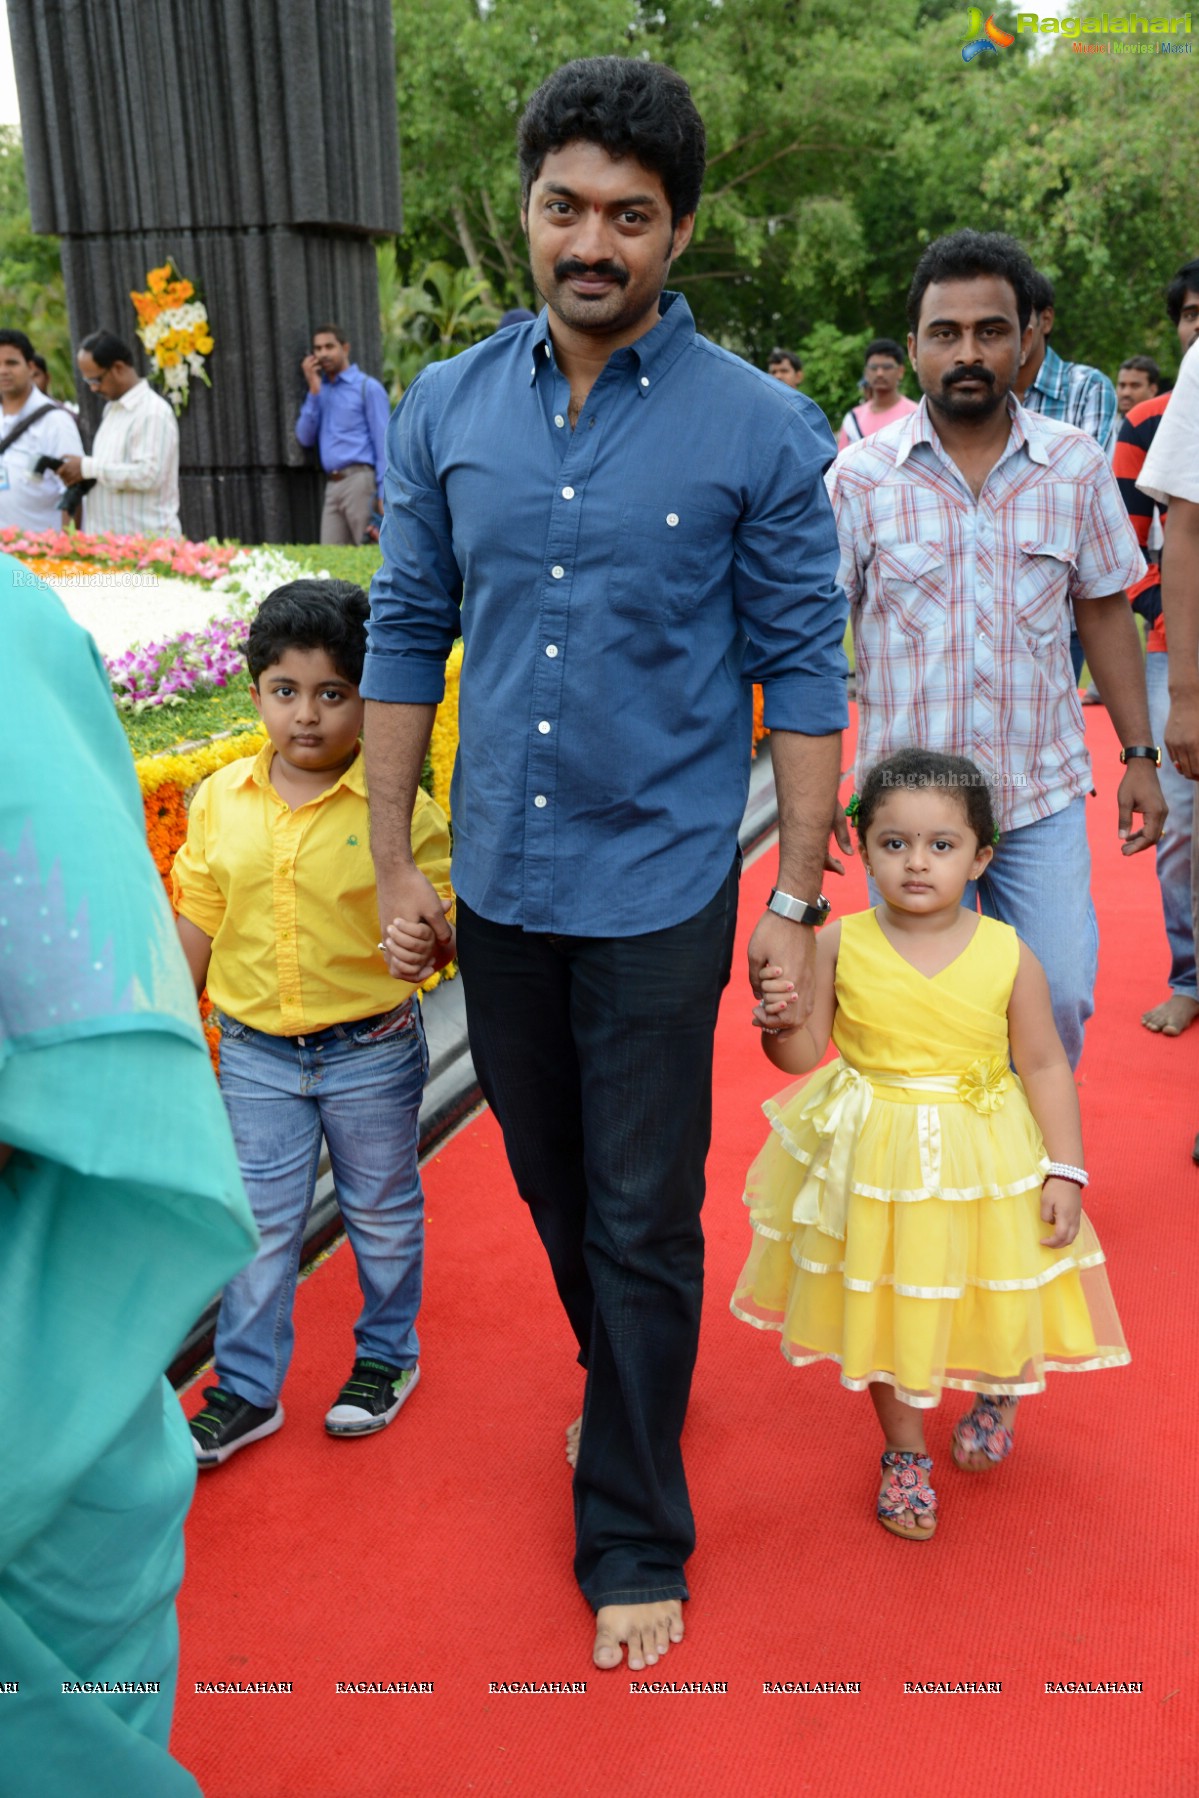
[917, 1208]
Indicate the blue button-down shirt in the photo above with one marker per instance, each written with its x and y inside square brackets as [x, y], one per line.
[347, 420]
[618, 587]
[1075, 394]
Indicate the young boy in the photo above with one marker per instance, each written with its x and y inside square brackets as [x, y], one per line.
[275, 890]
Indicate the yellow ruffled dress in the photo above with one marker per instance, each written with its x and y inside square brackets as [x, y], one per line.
[896, 1205]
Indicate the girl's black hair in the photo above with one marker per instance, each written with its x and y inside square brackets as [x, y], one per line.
[311, 614]
[929, 768]
[631, 108]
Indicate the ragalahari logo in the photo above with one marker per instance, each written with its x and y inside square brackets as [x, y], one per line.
[982, 37]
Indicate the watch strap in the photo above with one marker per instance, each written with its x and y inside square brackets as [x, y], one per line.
[1139, 751]
[786, 905]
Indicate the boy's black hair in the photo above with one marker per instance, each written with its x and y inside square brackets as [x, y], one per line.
[929, 768]
[17, 340]
[788, 356]
[311, 614]
[105, 348]
[1185, 281]
[966, 254]
[632, 108]
[885, 346]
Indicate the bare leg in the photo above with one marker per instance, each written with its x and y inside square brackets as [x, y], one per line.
[903, 1428]
[649, 1629]
[573, 1432]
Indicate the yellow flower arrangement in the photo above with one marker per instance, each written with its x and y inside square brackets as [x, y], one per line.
[174, 331]
[443, 744]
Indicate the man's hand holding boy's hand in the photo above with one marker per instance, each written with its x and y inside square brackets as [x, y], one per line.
[413, 950]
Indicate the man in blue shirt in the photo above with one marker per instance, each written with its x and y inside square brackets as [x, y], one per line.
[629, 527]
[345, 417]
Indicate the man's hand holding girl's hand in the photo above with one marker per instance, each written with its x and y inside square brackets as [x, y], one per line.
[1061, 1206]
[777, 1010]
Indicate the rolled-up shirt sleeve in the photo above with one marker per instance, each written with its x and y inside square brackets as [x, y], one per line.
[417, 594]
[194, 893]
[1109, 556]
[785, 586]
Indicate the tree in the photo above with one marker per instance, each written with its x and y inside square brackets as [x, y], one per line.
[33, 295]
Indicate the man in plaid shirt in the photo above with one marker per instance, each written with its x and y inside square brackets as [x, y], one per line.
[968, 533]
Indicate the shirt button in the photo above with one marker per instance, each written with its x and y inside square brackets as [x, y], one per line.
[544, 728]
[645, 380]
[568, 492]
[551, 650]
[672, 518]
[557, 571]
[540, 801]
[559, 420]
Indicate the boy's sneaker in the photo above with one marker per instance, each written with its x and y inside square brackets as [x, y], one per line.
[228, 1423]
[370, 1398]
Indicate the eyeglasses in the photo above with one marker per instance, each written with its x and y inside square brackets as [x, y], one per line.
[95, 380]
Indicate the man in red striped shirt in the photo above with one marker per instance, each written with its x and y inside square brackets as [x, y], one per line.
[1179, 1011]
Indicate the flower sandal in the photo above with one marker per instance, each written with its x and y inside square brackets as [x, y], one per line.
[982, 1431]
[907, 1490]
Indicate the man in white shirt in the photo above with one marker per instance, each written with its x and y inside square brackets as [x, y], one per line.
[135, 458]
[31, 426]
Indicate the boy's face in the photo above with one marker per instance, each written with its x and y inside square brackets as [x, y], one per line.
[312, 713]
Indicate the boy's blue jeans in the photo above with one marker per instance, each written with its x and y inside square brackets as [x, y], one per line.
[364, 1097]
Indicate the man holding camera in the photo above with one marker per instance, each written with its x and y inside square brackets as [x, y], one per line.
[35, 434]
[131, 477]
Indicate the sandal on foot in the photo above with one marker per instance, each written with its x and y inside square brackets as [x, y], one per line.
[907, 1490]
[982, 1431]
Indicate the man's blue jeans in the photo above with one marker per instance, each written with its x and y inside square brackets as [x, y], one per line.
[596, 1055]
[1174, 844]
[364, 1097]
[1040, 883]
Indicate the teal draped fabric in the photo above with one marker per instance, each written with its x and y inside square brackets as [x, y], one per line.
[121, 1214]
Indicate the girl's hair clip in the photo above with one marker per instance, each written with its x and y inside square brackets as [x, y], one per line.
[995, 837]
[853, 808]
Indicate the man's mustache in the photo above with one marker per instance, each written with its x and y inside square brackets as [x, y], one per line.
[968, 374]
[609, 271]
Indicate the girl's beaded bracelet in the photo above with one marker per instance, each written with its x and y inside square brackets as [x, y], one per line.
[1064, 1170]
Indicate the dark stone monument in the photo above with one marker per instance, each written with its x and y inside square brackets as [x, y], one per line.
[254, 142]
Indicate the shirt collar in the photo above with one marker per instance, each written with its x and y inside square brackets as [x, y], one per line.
[1025, 433]
[133, 397]
[343, 374]
[257, 773]
[1051, 376]
[648, 358]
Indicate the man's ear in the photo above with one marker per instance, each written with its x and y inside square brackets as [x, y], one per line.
[681, 235]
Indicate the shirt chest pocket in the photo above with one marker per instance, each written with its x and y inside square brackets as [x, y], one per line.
[665, 561]
[911, 584]
[1043, 588]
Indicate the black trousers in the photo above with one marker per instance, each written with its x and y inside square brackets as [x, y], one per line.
[596, 1055]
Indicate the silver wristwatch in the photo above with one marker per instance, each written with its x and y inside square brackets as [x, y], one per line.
[798, 910]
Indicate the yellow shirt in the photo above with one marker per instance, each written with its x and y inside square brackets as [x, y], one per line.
[288, 898]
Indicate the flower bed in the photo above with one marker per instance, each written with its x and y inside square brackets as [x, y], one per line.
[53, 554]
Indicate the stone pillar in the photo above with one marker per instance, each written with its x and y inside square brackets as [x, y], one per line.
[255, 143]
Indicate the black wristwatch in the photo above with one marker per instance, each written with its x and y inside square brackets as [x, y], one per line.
[798, 910]
[1150, 753]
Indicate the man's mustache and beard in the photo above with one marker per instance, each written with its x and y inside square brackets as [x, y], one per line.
[978, 402]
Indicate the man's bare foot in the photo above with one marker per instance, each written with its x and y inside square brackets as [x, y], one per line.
[573, 1432]
[1172, 1016]
[649, 1629]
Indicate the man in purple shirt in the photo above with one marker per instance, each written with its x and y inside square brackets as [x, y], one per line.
[345, 418]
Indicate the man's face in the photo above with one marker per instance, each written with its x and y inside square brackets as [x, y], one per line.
[16, 375]
[968, 346]
[785, 372]
[109, 383]
[334, 357]
[600, 238]
[1132, 386]
[1188, 320]
[884, 374]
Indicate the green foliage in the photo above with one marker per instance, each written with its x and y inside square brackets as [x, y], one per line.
[33, 295]
[162, 727]
[832, 367]
[344, 561]
[443, 311]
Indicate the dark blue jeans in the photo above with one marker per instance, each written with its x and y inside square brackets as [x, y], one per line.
[595, 1053]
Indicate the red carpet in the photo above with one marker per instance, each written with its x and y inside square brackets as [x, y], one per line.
[440, 1551]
